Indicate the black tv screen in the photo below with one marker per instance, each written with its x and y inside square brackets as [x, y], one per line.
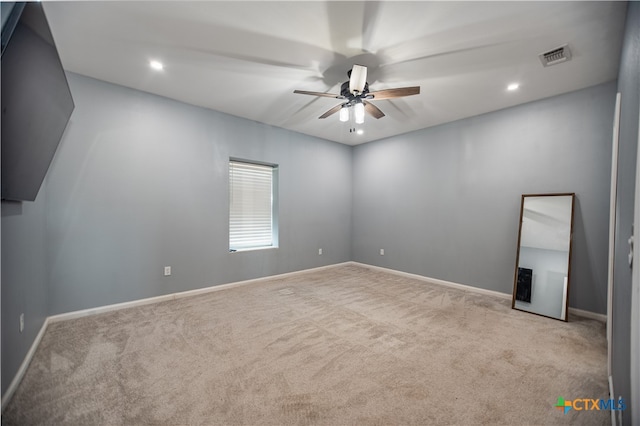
[36, 102]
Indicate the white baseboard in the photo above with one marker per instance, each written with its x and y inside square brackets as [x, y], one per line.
[573, 311]
[588, 314]
[612, 395]
[179, 295]
[23, 367]
[438, 281]
[173, 296]
[107, 308]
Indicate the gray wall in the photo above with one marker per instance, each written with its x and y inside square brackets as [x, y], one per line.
[24, 280]
[444, 202]
[140, 182]
[629, 87]
[23, 288]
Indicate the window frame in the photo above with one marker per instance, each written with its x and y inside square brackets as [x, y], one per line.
[235, 248]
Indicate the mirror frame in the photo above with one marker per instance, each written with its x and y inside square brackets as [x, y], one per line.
[515, 279]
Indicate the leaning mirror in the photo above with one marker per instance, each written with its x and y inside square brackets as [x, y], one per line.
[543, 261]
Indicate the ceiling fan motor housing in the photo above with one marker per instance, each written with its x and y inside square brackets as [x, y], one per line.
[344, 91]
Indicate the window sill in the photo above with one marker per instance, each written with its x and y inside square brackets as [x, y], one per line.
[244, 250]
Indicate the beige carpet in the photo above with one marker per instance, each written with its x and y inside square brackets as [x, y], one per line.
[346, 345]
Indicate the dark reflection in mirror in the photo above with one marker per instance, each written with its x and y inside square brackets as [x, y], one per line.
[543, 262]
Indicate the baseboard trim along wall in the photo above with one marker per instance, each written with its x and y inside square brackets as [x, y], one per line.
[588, 314]
[173, 296]
[573, 311]
[23, 367]
[102, 309]
[437, 281]
[180, 295]
[612, 396]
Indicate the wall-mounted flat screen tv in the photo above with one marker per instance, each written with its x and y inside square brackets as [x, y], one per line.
[36, 101]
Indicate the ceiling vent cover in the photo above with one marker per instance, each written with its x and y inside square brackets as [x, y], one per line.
[555, 56]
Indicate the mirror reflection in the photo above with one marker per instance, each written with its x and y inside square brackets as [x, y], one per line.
[541, 283]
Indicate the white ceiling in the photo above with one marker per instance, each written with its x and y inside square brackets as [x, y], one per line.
[246, 58]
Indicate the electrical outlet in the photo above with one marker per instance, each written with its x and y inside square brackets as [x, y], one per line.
[167, 271]
[320, 251]
[381, 252]
[21, 323]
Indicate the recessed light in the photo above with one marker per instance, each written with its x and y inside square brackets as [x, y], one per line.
[513, 86]
[156, 65]
[359, 131]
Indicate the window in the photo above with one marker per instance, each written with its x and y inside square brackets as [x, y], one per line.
[252, 218]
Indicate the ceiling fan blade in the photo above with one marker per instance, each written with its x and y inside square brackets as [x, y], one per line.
[326, 95]
[331, 111]
[373, 110]
[358, 79]
[395, 93]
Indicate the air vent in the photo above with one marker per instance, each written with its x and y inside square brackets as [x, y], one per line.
[555, 56]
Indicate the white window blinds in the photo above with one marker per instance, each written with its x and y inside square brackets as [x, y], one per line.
[251, 205]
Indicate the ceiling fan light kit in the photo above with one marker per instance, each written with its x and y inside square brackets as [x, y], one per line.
[355, 91]
[357, 79]
[344, 113]
[358, 111]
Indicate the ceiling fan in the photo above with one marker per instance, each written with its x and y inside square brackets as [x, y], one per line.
[356, 93]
